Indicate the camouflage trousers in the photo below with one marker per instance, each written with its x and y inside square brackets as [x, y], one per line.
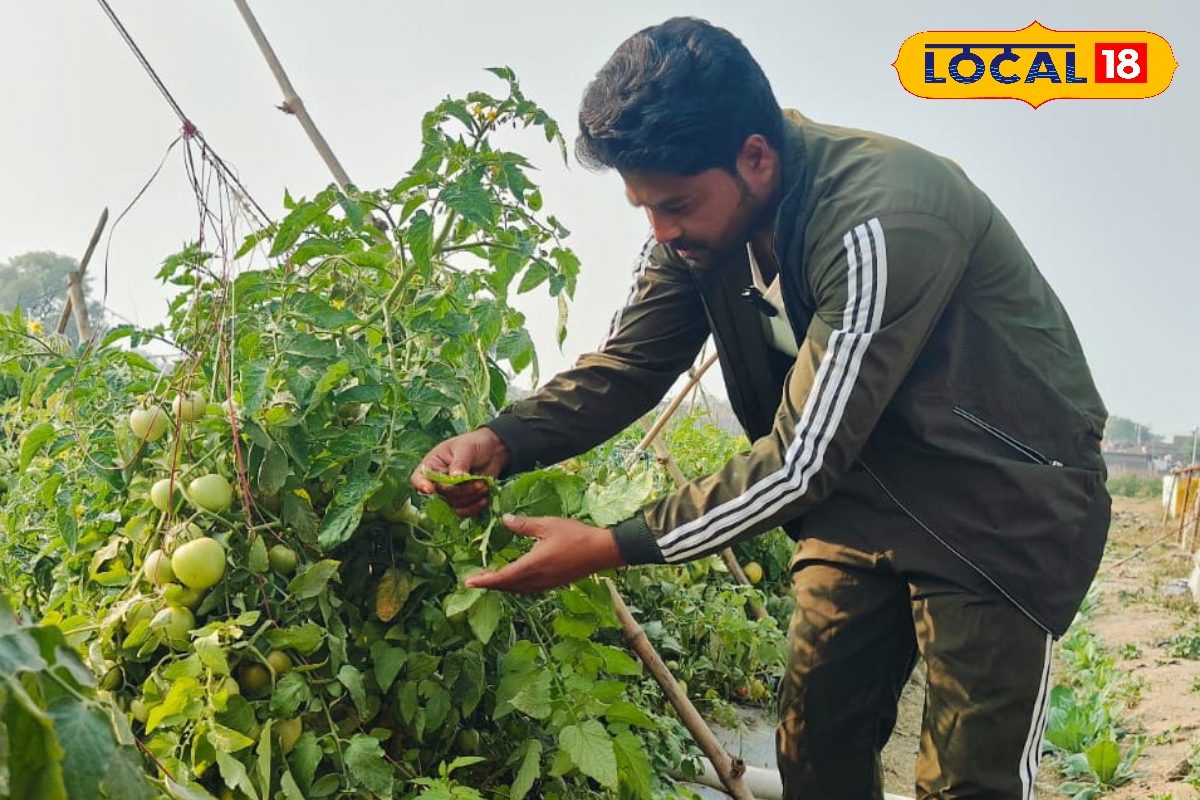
[859, 628]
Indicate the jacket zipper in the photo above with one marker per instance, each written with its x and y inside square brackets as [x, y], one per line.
[954, 550]
[1030, 453]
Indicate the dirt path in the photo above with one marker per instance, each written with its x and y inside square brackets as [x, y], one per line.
[1139, 607]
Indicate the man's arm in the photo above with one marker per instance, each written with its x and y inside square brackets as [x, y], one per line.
[653, 339]
[879, 292]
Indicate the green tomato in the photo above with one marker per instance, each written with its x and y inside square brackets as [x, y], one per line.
[174, 623]
[229, 686]
[157, 568]
[435, 557]
[254, 680]
[141, 609]
[112, 679]
[148, 423]
[283, 559]
[754, 573]
[161, 494]
[199, 564]
[289, 731]
[139, 711]
[279, 661]
[189, 407]
[184, 596]
[211, 492]
[467, 740]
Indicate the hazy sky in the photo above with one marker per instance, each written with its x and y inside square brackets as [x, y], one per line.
[1103, 193]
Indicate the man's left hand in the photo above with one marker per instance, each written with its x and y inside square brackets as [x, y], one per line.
[565, 551]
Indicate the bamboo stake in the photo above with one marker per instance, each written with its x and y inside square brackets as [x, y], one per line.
[729, 769]
[78, 304]
[1187, 489]
[292, 104]
[61, 327]
[727, 555]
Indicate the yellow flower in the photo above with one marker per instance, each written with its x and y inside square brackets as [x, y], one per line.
[303, 495]
[338, 304]
[34, 327]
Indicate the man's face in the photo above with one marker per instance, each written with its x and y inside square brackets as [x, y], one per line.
[709, 216]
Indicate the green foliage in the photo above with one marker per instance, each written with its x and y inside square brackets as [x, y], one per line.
[1136, 486]
[59, 740]
[334, 350]
[1185, 645]
[1085, 728]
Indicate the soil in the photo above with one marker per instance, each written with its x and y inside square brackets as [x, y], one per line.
[1141, 605]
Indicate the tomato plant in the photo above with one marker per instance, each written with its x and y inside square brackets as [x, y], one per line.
[298, 627]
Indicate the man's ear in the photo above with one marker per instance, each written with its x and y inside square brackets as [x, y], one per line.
[757, 161]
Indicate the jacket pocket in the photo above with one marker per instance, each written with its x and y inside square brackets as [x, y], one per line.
[1025, 450]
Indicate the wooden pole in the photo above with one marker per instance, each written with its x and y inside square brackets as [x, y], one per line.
[78, 306]
[1187, 488]
[292, 104]
[729, 769]
[727, 555]
[78, 277]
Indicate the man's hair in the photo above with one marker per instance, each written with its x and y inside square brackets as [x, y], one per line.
[681, 97]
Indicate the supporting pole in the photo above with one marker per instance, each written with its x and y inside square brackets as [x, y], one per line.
[292, 104]
[77, 277]
[78, 306]
[1183, 506]
[729, 769]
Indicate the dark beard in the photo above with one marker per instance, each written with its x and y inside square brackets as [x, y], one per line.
[752, 214]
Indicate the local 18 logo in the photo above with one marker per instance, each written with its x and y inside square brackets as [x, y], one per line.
[1035, 65]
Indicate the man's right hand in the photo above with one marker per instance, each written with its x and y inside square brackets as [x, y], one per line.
[480, 452]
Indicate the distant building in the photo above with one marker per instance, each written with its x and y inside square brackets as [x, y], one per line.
[1125, 462]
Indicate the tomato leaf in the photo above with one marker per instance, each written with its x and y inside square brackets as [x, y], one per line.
[291, 692]
[305, 638]
[313, 580]
[484, 616]
[234, 774]
[258, 562]
[530, 771]
[274, 470]
[35, 437]
[387, 661]
[616, 501]
[86, 734]
[633, 765]
[590, 748]
[346, 509]
[367, 767]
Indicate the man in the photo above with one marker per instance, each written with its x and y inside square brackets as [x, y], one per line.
[923, 420]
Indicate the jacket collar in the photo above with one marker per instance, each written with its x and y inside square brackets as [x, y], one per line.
[795, 180]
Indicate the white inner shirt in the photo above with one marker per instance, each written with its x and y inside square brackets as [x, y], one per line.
[777, 329]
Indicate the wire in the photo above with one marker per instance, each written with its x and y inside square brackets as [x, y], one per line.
[189, 129]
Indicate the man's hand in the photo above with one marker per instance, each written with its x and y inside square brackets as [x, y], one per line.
[566, 550]
[479, 452]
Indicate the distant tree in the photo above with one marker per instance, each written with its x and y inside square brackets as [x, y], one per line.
[1121, 430]
[37, 283]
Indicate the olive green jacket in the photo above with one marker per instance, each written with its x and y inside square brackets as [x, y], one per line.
[940, 397]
